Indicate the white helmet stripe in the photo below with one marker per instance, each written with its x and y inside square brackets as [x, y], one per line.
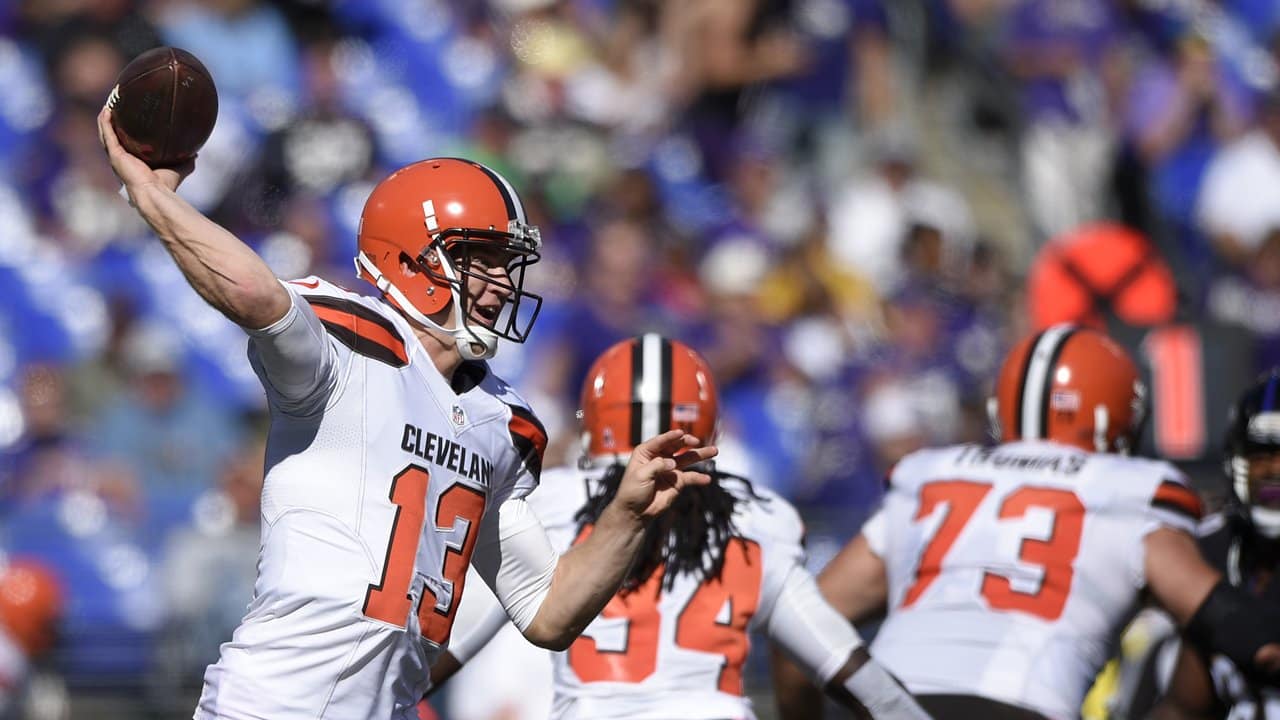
[649, 387]
[1036, 382]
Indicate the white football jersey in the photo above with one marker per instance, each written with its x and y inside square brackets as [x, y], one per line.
[654, 653]
[1013, 569]
[380, 479]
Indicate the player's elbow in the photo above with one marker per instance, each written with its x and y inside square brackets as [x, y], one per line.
[257, 303]
[550, 635]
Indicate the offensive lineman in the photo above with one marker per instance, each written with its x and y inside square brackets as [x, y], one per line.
[395, 456]
[1009, 571]
[726, 560]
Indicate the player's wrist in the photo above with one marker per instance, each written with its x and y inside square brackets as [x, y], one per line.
[624, 516]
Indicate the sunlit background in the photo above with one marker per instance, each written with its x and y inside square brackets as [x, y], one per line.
[850, 207]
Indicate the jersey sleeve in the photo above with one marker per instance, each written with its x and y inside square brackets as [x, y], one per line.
[809, 629]
[296, 359]
[1175, 504]
[776, 525]
[876, 531]
[530, 440]
[515, 558]
[1170, 503]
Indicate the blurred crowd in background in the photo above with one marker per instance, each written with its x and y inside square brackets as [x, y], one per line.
[850, 207]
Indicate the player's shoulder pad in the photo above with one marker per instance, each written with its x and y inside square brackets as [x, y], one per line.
[363, 324]
[1173, 492]
[767, 515]
[919, 466]
[528, 435]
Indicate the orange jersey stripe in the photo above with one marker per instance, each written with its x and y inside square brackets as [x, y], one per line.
[365, 329]
[528, 430]
[1178, 498]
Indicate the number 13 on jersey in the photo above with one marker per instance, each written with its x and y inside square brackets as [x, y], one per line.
[457, 509]
[960, 502]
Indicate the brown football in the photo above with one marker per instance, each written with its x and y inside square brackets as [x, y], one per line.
[164, 106]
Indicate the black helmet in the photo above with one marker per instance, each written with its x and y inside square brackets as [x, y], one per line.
[1253, 429]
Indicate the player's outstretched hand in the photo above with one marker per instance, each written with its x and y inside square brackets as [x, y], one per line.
[658, 471]
[131, 170]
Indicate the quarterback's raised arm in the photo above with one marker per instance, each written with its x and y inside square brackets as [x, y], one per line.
[221, 268]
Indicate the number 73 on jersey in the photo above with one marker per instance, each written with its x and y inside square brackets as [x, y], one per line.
[959, 501]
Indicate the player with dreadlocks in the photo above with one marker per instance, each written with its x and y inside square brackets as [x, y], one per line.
[723, 561]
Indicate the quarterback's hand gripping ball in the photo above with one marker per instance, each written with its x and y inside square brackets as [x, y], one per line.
[164, 106]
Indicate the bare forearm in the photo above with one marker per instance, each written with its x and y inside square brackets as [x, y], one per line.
[221, 268]
[586, 578]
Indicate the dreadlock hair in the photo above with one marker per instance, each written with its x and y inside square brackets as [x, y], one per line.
[690, 538]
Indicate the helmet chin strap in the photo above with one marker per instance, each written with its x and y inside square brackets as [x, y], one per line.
[1266, 521]
[466, 338]
[1101, 421]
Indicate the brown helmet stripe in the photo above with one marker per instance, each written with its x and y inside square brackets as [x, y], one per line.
[650, 387]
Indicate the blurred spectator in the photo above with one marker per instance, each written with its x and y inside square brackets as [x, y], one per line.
[1065, 54]
[52, 457]
[871, 216]
[728, 49]
[208, 567]
[247, 48]
[1182, 106]
[1239, 204]
[769, 204]
[53, 25]
[173, 439]
[628, 86]
[611, 305]
[747, 357]
[320, 150]
[1250, 299]
[31, 603]
[850, 88]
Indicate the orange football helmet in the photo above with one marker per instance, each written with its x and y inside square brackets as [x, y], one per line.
[642, 387]
[418, 232]
[30, 604]
[1071, 385]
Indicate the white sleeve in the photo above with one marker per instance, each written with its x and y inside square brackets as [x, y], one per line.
[479, 618]
[876, 531]
[809, 629]
[295, 358]
[516, 560]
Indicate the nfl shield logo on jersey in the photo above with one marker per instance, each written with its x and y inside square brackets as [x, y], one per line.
[458, 417]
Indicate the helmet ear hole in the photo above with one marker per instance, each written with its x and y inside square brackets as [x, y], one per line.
[408, 266]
